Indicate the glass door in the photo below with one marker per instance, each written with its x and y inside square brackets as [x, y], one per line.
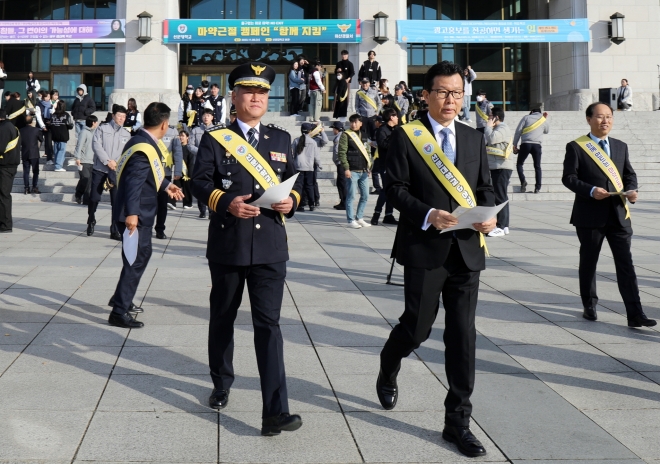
[108, 88]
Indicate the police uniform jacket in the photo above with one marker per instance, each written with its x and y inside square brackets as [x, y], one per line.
[218, 178]
[8, 133]
[137, 193]
[413, 189]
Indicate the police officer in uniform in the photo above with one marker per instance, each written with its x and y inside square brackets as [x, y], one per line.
[10, 158]
[136, 205]
[247, 245]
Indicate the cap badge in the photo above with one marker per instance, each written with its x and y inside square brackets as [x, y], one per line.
[258, 69]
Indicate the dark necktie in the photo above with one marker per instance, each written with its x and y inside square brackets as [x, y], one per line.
[252, 140]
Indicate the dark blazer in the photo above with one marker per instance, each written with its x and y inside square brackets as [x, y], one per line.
[243, 242]
[137, 193]
[30, 139]
[581, 174]
[8, 133]
[413, 189]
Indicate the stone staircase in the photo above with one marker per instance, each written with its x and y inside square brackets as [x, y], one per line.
[637, 128]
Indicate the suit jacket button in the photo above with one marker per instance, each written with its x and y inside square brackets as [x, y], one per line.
[257, 187]
[222, 226]
[258, 226]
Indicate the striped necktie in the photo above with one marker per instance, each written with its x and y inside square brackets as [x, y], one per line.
[446, 145]
[252, 139]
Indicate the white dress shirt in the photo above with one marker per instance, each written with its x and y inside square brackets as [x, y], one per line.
[440, 137]
[245, 128]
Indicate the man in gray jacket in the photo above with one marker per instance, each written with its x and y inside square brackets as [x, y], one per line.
[84, 156]
[529, 132]
[108, 145]
[306, 155]
[499, 146]
[193, 146]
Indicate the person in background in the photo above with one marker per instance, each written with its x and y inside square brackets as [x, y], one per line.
[189, 164]
[624, 96]
[499, 146]
[84, 156]
[530, 133]
[198, 104]
[31, 137]
[83, 106]
[375, 170]
[307, 156]
[337, 129]
[3, 76]
[32, 83]
[133, 117]
[345, 66]
[303, 73]
[356, 160]
[205, 88]
[367, 105]
[217, 103]
[60, 125]
[7, 97]
[16, 110]
[30, 100]
[232, 114]
[193, 146]
[408, 94]
[294, 88]
[383, 135]
[342, 93]
[316, 91]
[43, 119]
[172, 158]
[10, 147]
[370, 69]
[483, 108]
[401, 103]
[185, 105]
[319, 136]
[468, 77]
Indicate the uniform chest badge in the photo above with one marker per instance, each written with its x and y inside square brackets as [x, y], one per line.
[226, 183]
[281, 157]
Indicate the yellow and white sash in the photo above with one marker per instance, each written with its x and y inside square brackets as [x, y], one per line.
[191, 117]
[342, 99]
[443, 169]
[605, 164]
[360, 145]
[534, 126]
[317, 130]
[16, 113]
[154, 161]
[403, 116]
[480, 112]
[168, 158]
[249, 158]
[363, 95]
[12, 144]
[503, 153]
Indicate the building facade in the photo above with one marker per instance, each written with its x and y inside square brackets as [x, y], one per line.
[518, 76]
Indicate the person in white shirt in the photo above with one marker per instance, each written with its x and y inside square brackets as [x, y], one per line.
[316, 91]
[468, 77]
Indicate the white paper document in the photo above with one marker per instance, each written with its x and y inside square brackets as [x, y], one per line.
[468, 216]
[130, 245]
[275, 194]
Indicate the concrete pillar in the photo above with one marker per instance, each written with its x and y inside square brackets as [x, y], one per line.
[147, 72]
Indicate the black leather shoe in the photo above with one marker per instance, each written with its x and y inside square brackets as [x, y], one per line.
[311, 208]
[340, 207]
[537, 190]
[300, 209]
[35, 190]
[641, 321]
[202, 215]
[466, 442]
[161, 235]
[115, 236]
[590, 314]
[125, 321]
[374, 219]
[390, 219]
[523, 187]
[285, 421]
[5, 231]
[27, 190]
[219, 399]
[132, 308]
[317, 203]
[388, 392]
[90, 228]
[79, 200]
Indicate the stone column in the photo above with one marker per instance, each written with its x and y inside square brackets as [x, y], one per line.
[147, 72]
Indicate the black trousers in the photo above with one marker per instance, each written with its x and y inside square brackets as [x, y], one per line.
[527, 149]
[382, 199]
[161, 213]
[98, 179]
[459, 288]
[307, 197]
[31, 164]
[84, 186]
[7, 174]
[341, 184]
[501, 178]
[48, 144]
[294, 100]
[265, 285]
[130, 276]
[619, 238]
[317, 194]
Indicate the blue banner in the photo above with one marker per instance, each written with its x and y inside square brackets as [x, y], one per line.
[545, 30]
[216, 31]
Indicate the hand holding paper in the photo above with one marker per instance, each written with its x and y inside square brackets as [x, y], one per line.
[469, 216]
[130, 245]
[276, 194]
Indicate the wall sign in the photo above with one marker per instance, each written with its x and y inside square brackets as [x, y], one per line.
[54, 31]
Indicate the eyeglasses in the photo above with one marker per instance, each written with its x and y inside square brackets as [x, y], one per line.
[442, 94]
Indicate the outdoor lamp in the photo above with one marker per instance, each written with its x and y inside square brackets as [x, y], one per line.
[380, 27]
[144, 27]
[616, 28]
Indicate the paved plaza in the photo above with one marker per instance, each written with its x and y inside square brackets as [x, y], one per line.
[551, 387]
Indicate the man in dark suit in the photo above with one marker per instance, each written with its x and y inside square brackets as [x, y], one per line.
[438, 264]
[598, 215]
[140, 178]
[248, 244]
[31, 137]
[10, 158]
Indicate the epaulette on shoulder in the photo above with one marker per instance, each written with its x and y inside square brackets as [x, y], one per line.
[216, 127]
[275, 126]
